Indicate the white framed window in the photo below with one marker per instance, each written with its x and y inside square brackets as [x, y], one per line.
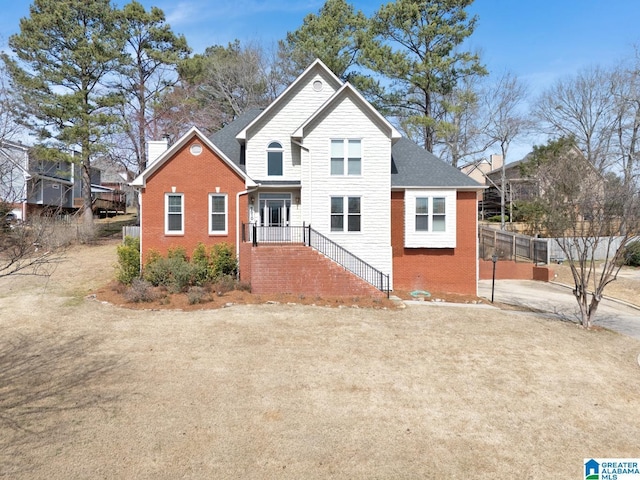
[345, 214]
[346, 157]
[275, 159]
[430, 214]
[174, 214]
[218, 211]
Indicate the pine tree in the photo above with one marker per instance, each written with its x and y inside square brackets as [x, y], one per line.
[65, 53]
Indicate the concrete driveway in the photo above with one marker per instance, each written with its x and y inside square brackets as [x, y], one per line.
[558, 300]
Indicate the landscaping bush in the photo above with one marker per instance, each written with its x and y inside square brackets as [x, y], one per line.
[224, 284]
[128, 260]
[174, 272]
[216, 268]
[140, 291]
[223, 260]
[203, 273]
[632, 254]
[198, 294]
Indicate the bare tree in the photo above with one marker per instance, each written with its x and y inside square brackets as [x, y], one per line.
[459, 133]
[625, 85]
[506, 121]
[217, 86]
[582, 107]
[33, 248]
[589, 214]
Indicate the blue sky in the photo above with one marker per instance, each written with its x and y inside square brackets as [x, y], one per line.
[538, 40]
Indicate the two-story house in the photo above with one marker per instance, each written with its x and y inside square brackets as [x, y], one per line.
[30, 184]
[318, 170]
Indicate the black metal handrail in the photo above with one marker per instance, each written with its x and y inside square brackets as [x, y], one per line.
[349, 261]
[306, 235]
[256, 234]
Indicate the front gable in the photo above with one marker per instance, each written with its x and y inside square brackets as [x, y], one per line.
[189, 139]
[277, 122]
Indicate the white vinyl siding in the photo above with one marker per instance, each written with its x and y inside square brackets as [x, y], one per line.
[174, 214]
[373, 186]
[218, 207]
[289, 115]
[430, 218]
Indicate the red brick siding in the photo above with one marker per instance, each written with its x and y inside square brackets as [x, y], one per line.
[301, 270]
[510, 270]
[436, 269]
[195, 177]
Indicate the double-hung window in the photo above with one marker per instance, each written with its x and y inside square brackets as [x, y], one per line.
[174, 213]
[422, 214]
[275, 159]
[430, 214]
[218, 214]
[345, 218]
[346, 157]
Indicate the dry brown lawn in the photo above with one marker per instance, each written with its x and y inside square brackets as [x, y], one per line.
[90, 390]
[625, 287]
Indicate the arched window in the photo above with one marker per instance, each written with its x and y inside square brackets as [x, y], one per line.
[275, 159]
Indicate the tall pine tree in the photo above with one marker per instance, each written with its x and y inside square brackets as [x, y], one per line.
[65, 54]
[414, 45]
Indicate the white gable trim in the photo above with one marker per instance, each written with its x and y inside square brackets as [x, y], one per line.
[317, 63]
[141, 180]
[347, 89]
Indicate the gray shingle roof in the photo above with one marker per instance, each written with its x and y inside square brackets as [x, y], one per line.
[413, 166]
[225, 138]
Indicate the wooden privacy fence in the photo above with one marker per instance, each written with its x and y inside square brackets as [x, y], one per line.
[512, 246]
[130, 231]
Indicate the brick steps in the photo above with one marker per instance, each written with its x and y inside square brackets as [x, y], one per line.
[301, 270]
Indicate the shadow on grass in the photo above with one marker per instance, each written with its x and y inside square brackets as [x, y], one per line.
[47, 384]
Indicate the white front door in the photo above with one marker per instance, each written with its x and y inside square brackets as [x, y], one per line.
[275, 215]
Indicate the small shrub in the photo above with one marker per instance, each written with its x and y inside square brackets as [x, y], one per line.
[632, 254]
[224, 284]
[197, 295]
[223, 260]
[201, 268]
[243, 287]
[128, 260]
[177, 252]
[140, 291]
[175, 273]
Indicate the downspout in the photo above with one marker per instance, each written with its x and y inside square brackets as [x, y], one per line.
[238, 195]
[140, 222]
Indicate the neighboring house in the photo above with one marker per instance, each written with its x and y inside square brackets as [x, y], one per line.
[318, 167]
[29, 184]
[478, 169]
[521, 187]
[517, 188]
[14, 177]
[116, 178]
